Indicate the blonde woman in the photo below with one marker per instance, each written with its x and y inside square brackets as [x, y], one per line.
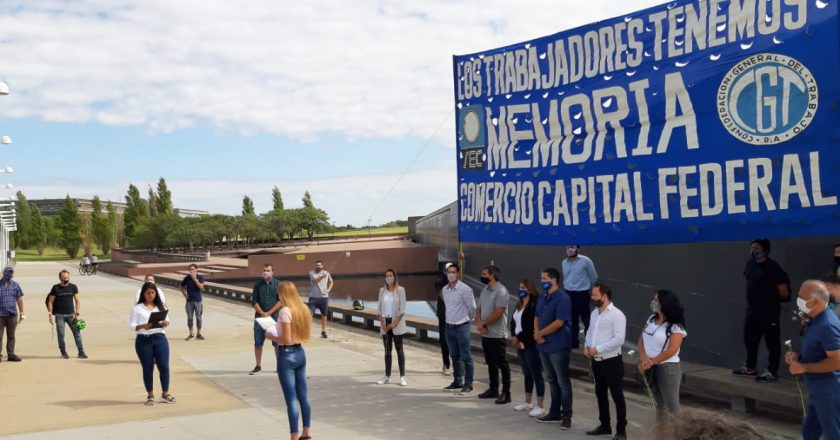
[392, 324]
[293, 324]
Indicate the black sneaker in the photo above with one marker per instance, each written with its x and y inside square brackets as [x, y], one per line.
[256, 370]
[324, 335]
[745, 372]
[549, 418]
[766, 377]
[503, 399]
[489, 394]
[452, 387]
[620, 436]
[190, 337]
[600, 430]
[13, 358]
[466, 390]
[200, 337]
[65, 355]
[82, 355]
[566, 424]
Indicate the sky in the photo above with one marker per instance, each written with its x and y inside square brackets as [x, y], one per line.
[350, 100]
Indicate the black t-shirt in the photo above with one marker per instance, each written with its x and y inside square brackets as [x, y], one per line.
[762, 282]
[63, 303]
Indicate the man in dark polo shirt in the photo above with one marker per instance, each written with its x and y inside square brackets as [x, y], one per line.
[767, 286]
[65, 306]
[264, 300]
[191, 289]
[554, 342]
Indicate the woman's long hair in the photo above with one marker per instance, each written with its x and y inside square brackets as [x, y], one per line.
[396, 280]
[301, 318]
[671, 308]
[532, 293]
[142, 299]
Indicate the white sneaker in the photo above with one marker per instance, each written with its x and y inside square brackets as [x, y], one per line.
[403, 382]
[444, 371]
[537, 412]
[384, 380]
[524, 406]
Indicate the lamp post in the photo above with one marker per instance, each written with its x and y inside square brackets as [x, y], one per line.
[7, 218]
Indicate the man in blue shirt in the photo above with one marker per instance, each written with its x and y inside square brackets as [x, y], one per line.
[819, 360]
[191, 289]
[578, 278]
[11, 311]
[554, 341]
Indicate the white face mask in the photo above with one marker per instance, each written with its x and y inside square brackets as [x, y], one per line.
[452, 277]
[803, 307]
[389, 280]
[266, 274]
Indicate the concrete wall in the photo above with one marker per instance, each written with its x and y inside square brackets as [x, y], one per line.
[365, 261]
[707, 277]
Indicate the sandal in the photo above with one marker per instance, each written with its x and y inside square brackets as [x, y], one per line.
[150, 400]
[167, 398]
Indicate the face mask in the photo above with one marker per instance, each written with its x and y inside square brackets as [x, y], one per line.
[522, 293]
[266, 274]
[758, 255]
[7, 277]
[484, 280]
[836, 261]
[389, 280]
[803, 305]
[546, 285]
[65, 282]
[654, 307]
[318, 269]
[452, 277]
[571, 252]
[598, 303]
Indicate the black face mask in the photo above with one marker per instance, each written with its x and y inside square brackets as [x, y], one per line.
[836, 261]
[484, 280]
[598, 303]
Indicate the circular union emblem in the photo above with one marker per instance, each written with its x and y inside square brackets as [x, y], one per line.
[472, 125]
[767, 99]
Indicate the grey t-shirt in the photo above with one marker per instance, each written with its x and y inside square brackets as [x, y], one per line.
[489, 300]
[319, 289]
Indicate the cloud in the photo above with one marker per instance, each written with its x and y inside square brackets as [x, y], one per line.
[361, 69]
[348, 200]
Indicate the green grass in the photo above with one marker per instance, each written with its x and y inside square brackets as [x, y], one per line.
[51, 254]
[364, 232]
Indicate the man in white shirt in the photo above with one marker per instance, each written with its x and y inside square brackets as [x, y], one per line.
[150, 279]
[607, 328]
[460, 308]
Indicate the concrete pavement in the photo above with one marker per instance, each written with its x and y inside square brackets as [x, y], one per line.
[46, 397]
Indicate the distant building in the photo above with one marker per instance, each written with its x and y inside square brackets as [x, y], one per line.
[50, 207]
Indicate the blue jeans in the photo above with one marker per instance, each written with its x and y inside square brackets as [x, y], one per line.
[823, 419]
[153, 350]
[458, 339]
[291, 370]
[556, 373]
[529, 360]
[59, 330]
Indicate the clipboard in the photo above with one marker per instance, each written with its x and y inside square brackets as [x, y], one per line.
[156, 317]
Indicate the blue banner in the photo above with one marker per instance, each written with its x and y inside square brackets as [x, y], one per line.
[691, 121]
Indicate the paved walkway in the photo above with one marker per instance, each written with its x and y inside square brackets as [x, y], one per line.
[46, 397]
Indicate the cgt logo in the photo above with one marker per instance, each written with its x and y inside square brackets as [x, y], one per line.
[767, 99]
[471, 137]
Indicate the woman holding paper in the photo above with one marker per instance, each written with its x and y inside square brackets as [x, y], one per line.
[151, 345]
[392, 324]
[293, 325]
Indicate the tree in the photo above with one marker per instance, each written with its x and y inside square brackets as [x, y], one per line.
[103, 229]
[69, 225]
[307, 200]
[313, 220]
[111, 226]
[277, 199]
[136, 212]
[40, 229]
[164, 198]
[24, 222]
[153, 202]
[86, 231]
[247, 206]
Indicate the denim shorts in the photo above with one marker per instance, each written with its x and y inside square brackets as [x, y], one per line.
[320, 304]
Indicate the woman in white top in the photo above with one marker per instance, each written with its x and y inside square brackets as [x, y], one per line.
[391, 311]
[293, 327]
[659, 349]
[151, 345]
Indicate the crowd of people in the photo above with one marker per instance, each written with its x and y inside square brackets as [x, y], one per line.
[541, 327]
